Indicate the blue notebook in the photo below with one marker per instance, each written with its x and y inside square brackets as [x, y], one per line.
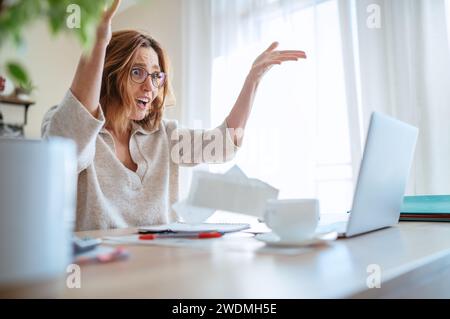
[426, 204]
[434, 208]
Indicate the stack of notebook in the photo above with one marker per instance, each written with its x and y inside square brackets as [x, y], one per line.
[434, 208]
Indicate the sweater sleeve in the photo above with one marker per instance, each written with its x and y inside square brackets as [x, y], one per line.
[190, 147]
[70, 119]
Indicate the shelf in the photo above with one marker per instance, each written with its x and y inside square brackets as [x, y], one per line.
[13, 100]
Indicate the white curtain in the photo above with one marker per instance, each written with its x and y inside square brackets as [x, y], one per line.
[401, 66]
[195, 94]
[297, 138]
[307, 129]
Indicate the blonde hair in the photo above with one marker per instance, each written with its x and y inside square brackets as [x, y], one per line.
[114, 98]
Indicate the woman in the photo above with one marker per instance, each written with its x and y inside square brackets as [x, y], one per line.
[128, 157]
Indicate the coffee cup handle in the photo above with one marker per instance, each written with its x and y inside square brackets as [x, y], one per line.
[267, 214]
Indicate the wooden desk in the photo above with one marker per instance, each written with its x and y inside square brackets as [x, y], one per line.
[414, 258]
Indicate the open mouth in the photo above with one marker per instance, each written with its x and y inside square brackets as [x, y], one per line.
[142, 103]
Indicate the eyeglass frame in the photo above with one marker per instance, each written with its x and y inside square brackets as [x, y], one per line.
[152, 75]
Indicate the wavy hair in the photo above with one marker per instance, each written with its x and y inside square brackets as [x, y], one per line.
[115, 100]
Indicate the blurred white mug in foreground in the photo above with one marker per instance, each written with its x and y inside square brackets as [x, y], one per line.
[38, 201]
[292, 219]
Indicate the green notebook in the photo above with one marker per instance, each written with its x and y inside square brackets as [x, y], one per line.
[426, 204]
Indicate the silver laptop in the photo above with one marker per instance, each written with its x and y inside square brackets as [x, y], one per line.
[384, 171]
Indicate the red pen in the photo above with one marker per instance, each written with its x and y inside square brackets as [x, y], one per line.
[202, 235]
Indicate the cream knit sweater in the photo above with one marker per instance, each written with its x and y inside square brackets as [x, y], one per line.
[110, 195]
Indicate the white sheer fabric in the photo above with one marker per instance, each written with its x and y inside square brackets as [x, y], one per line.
[309, 121]
[403, 69]
[297, 138]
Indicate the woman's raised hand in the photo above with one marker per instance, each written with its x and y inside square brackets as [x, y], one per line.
[238, 116]
[86, 85]
[270, 57]
[104, 32]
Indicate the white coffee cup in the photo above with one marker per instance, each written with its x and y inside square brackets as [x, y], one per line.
[292, 219]
[37, 202]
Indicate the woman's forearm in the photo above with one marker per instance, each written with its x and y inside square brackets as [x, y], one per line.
[241, 110]
[238, 117]
[87, 82]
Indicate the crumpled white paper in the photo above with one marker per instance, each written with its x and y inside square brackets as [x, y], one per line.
[232, 191]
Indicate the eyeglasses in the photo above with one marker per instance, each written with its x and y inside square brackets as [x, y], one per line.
[139, 75]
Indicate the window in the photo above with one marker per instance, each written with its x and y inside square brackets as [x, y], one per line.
[447, 10]
[297, 138]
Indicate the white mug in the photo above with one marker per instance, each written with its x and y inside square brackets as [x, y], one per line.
[292, 219]
[37, 209]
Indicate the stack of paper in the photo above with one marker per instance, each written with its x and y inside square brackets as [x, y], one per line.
[233, 192]
[188, 228]
[434, 208]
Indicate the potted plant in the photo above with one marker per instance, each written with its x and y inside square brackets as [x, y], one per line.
[16, 15]
[23, 84]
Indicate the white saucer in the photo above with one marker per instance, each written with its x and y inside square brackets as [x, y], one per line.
[271, 239]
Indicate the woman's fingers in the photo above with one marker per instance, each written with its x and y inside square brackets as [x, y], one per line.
[298, 54]
[104, 27]
[273, 61]
[288, 56]
[285, 59]
[282, 58]
[109, 14]
[271, 57]
[261, 67]
[272, 47]
[291, 52]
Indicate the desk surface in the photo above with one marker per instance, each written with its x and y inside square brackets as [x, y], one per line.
[414, 258]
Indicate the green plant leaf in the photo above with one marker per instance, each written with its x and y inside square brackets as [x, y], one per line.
[18, 74]
[16, 15]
